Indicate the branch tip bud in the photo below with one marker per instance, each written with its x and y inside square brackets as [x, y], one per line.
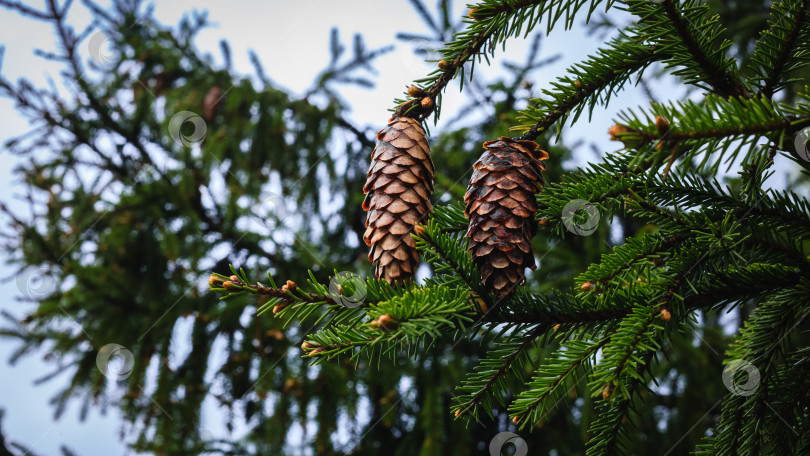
[616, 131]
[386, 322]
[415, 92]
[607, 391]
[661, 125]
[279, 307]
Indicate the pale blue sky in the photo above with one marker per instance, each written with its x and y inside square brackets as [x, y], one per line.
[291, 38]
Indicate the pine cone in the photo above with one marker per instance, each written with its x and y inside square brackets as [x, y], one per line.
[501, 207]
[398, 189]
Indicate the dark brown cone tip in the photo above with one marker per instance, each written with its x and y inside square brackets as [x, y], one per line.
[398, 189]
[501, 207]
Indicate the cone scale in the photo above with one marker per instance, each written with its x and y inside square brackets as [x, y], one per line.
[398, 190]
[501, 208]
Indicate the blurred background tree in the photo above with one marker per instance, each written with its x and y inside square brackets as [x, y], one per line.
[160, 166]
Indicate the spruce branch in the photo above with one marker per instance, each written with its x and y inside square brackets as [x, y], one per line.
[409, 320]
[762, 343]
[629, 346]
[604, 192]
[695, 43]
[589, 83]
[490, 23]
[292, 302]
[607, 430]
[287, 294]
[448, 254]
[628, 262]
[783, 48]
[552, 318]
[707, 128]
[788, 397]
[725, 276]
[450, 217]
[496, 375]
[560, 372]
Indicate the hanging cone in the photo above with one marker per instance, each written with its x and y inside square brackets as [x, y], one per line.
[398, 189]
[501, 207]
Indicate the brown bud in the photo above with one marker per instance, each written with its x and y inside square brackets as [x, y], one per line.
[444, 65]
[419, 230]
[289, 384]
[228, 285]
[515, 419]
[607, 391]
[386, 323]
[427, 103]
[291, 285]
[234, 278]
[214, 280]
[544, 222]
[458, 412]
[481, 304]
[578, 83]
[556, 327]
[616, 131]
[665, 315]
[279, 307]
[307, 346]
[415, 92]
[631, 139]
[587, 286]
[661, 125]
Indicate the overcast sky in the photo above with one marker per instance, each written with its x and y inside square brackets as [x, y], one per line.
[291, 38]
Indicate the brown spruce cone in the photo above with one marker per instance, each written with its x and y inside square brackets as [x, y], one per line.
[501, 207]
[398, 189]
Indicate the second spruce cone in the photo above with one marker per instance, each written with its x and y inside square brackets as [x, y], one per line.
[398, 189]
[501, 207]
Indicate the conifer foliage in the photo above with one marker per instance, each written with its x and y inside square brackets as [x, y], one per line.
[706, 246]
